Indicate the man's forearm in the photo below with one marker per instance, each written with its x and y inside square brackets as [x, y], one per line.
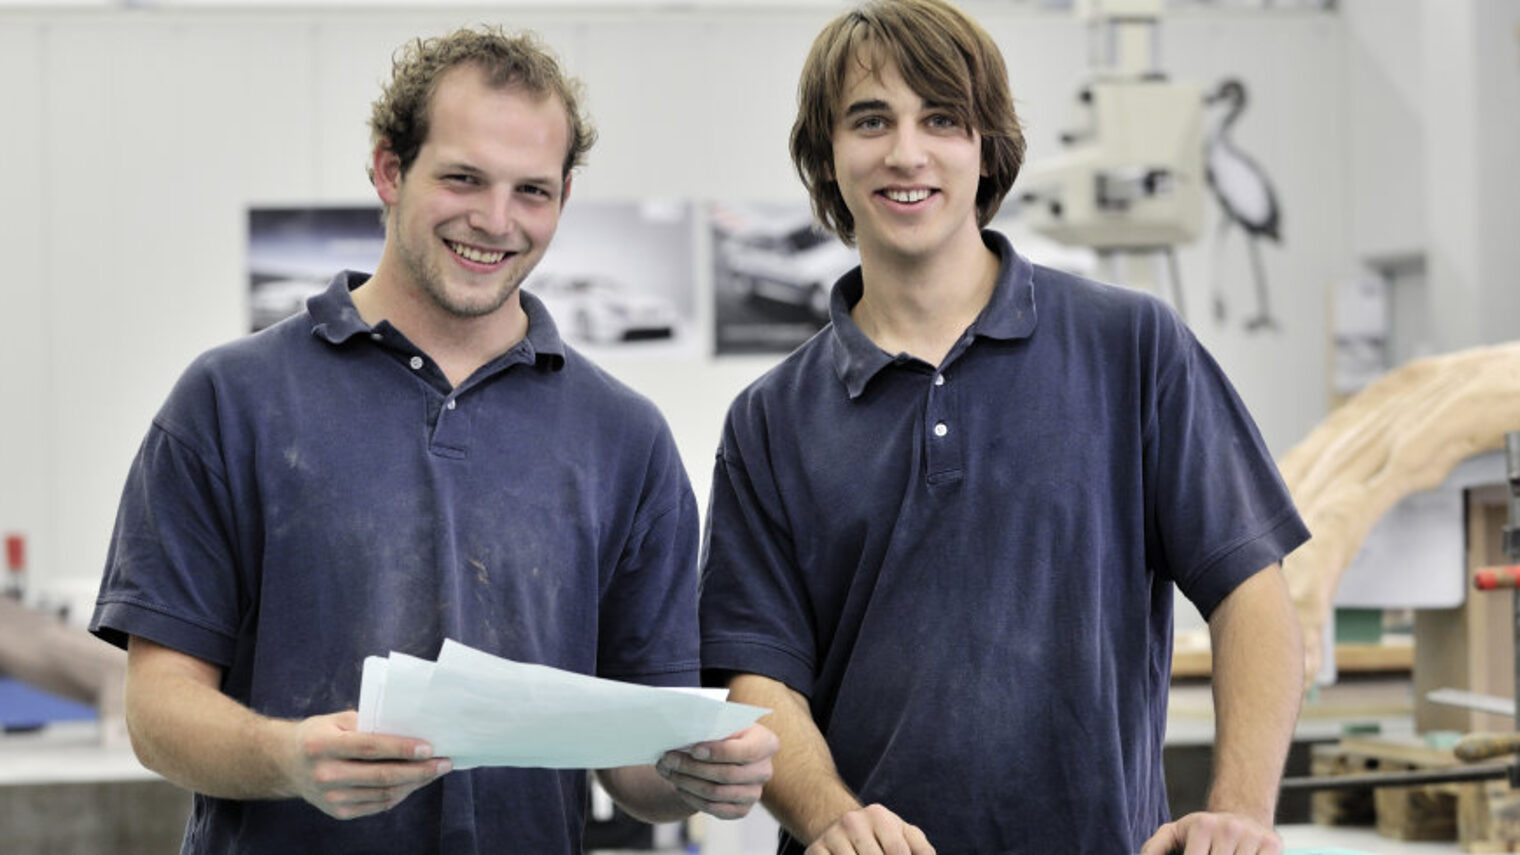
[185, 729]
[806, 795]
[645, 795]
[1258, 686]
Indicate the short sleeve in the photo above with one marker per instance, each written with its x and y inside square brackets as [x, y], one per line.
[755, 611]
[171, 570]
[648, 616]
[1217, 505]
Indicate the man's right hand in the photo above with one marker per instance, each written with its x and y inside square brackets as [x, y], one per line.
[348, 774]
[871, 830]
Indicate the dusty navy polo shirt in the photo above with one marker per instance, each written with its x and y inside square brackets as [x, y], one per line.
[969, 570]
[317, 493]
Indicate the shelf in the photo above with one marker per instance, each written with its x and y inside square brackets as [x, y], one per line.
[1349, 659]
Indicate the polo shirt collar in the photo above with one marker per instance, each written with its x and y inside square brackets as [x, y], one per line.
[1009, 314]
[335, 320]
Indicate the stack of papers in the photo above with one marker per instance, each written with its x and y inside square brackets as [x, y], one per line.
[482, 710]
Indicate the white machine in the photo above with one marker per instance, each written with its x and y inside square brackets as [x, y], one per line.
[1130, 182]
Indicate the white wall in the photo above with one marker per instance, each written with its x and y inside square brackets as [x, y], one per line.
[1435, 105]
[133, 142]
[1385, 156]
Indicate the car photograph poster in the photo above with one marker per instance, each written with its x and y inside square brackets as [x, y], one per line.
[293, 252]
[773, 270]
[618, 275]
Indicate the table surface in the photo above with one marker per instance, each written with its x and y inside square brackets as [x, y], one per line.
[1305, 839]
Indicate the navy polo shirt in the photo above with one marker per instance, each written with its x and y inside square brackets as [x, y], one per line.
[317, 493]
[968, 570]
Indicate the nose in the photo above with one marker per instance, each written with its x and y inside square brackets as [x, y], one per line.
[493, 214]
[907, 151]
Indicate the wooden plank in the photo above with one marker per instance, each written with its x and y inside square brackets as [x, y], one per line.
[1470, 647]
[1483, 816]
[1349, 659]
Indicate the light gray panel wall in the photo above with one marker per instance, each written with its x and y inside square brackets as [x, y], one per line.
[26, 449]
[110, 213]
[1452, 177]
[694, 105]
[1498, 117]
[160, 130]
[1386, 154]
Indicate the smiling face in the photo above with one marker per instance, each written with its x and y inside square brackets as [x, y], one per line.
[907, 169]
[476, 211]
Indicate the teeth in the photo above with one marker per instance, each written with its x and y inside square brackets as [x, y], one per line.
[476, 255]
[908, 195]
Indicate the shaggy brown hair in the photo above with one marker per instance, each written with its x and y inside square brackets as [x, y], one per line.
[944, 56]
[399, 117]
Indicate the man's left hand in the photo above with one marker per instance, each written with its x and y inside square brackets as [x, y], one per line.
[1214, 834]
[725, 777]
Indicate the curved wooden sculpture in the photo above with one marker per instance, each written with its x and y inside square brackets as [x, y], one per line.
[1400, 435]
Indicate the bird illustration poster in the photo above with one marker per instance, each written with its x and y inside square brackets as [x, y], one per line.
[1248, 206]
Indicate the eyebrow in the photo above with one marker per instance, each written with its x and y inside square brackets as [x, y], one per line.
[462, 166]
[876, 104]
[459, 166]
[865, 107]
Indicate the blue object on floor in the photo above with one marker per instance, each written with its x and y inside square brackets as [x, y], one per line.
[24, 707]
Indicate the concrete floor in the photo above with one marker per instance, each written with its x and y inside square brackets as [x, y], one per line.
[124, 817]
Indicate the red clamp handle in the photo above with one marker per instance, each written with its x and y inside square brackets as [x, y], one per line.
[1494, 578]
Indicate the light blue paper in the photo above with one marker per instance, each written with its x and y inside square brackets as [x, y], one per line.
[483, 710]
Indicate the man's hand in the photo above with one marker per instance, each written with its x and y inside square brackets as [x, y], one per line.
[871, 830]
[725, 777]
[348, 774]
[1214, 834]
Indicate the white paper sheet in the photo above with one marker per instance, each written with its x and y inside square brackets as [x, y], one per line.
[483, 710]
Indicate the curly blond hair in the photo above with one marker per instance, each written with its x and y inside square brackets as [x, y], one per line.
[399, 117]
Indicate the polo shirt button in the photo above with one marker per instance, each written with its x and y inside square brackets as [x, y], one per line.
[940, 429]
[451, 403]
[415, 362]
[374, 336]
[939, 379]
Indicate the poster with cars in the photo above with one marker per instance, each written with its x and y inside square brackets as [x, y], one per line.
[773, 270]
[620, 277]
[617, 275]
[293, 253]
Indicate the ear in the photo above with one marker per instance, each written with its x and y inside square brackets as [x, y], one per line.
[385, 165]
[564, 192]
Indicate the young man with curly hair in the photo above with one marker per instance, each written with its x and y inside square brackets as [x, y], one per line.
[416, 456]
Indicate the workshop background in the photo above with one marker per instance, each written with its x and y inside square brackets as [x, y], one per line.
[136, 137]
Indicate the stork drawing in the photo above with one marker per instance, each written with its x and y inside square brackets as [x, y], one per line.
[1245, 197]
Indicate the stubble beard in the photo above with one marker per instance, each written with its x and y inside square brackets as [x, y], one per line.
[426, 273]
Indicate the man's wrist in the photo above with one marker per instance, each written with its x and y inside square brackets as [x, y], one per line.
[1262, 815]
[822, 819]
